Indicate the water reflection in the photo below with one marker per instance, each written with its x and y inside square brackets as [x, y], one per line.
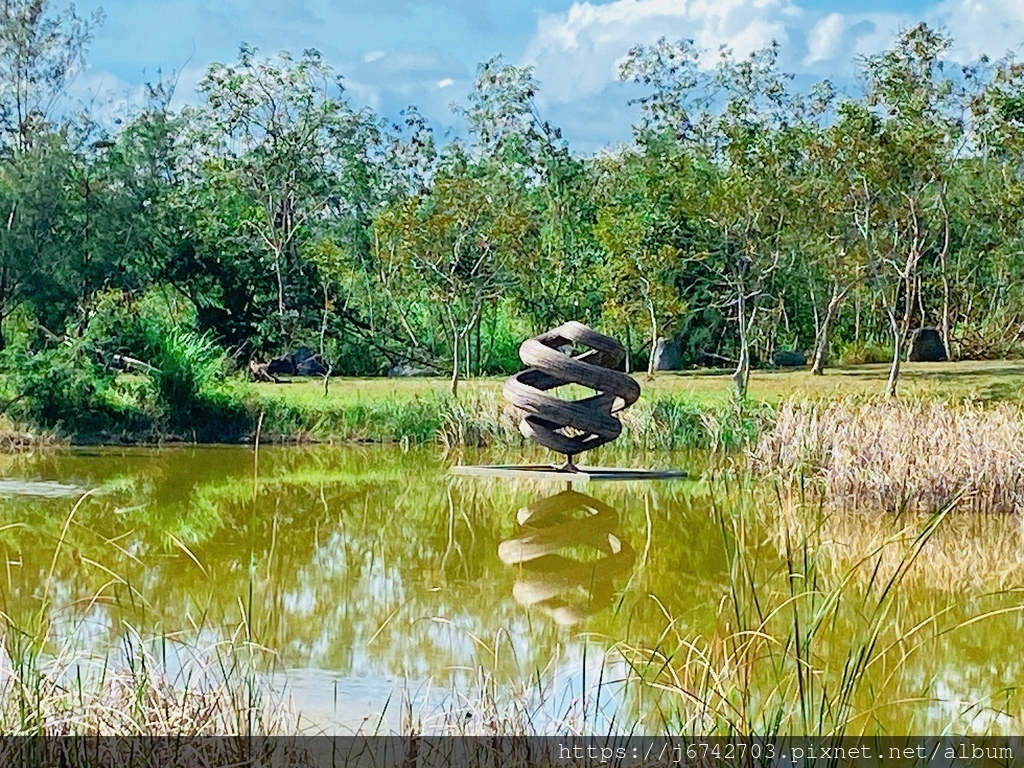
[568, 554]
[365, 572]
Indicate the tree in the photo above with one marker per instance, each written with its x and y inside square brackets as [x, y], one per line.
[280, 128]
[905, 212]
[40, 55]
[752, 199]
[510, 137]
[644, 230]
[456, 245]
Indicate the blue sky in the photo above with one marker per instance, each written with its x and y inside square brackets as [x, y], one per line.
[396, 52]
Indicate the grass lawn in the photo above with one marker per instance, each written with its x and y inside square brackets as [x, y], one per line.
[984, 380]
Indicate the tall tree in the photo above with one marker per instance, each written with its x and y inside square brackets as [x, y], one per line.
[41, 52]
[905, 215]
[283, 130]
[456, 245]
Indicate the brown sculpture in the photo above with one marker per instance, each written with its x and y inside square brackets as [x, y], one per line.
[571, 427]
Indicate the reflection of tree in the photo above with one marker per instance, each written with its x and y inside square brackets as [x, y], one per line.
[568, 554]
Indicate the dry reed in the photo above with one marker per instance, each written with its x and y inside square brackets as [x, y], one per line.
[897, 457]
[217, 692]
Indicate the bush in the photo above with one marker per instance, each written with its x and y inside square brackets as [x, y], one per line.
[187, 365]
[864, 353]
[63, 387]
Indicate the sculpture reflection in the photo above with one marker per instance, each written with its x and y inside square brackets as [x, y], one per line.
[569, 554]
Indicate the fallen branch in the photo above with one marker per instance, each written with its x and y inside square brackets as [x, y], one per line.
[131, 362]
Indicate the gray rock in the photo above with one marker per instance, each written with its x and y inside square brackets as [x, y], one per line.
[283, 365]
[668, 355]
[786, 358]
[311, 366]
[926, 346]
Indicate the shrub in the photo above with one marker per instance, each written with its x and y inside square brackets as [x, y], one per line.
[62, 386]
[186, 366]
[864, 353]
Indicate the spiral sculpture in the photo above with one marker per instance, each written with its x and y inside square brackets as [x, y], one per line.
[571, 427]
[553, 532]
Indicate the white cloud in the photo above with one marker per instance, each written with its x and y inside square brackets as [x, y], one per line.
[825, 38]
[401, 77]
[577, 51]
[993, 26]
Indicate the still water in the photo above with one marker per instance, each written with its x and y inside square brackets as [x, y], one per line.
[371, 576]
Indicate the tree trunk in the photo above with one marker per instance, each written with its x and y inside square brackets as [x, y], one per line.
[894, 368]
[654, 341]
[280, 282]
[479, 322]
[629, 352]
[741, 376]
[455, 360]
[821, 343]
[944, 264]
[856, 316]
[945, 312]
[900, 330]
[323, 323]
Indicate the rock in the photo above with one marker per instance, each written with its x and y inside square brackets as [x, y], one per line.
[311, 366]
[786, 358]
[283, 365]
[405, 371]
[926, 346]
[667, 355]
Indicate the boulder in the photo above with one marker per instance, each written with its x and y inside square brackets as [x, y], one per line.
[786, 358]
[668, 355]
[283, 365]
[311, 366]
[926, 346]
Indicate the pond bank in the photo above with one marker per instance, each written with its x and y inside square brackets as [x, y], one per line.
[477, 419]
[675, 411]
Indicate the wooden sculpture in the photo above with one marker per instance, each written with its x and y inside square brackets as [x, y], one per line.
[571, 427]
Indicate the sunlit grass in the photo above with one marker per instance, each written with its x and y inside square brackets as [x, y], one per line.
[985, 380]
[902, 456]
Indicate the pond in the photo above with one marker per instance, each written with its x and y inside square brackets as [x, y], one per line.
[377, 583]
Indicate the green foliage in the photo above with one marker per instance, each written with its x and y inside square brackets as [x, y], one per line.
[187, 366]
[62, 387]
[864, 353]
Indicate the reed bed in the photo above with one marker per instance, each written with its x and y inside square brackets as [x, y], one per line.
[902, 456]
[664, 423]
[216, 692]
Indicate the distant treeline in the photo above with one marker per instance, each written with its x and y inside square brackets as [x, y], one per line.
[746, 216]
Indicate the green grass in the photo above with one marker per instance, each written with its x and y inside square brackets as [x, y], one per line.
[982, 380]
[676, 410]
